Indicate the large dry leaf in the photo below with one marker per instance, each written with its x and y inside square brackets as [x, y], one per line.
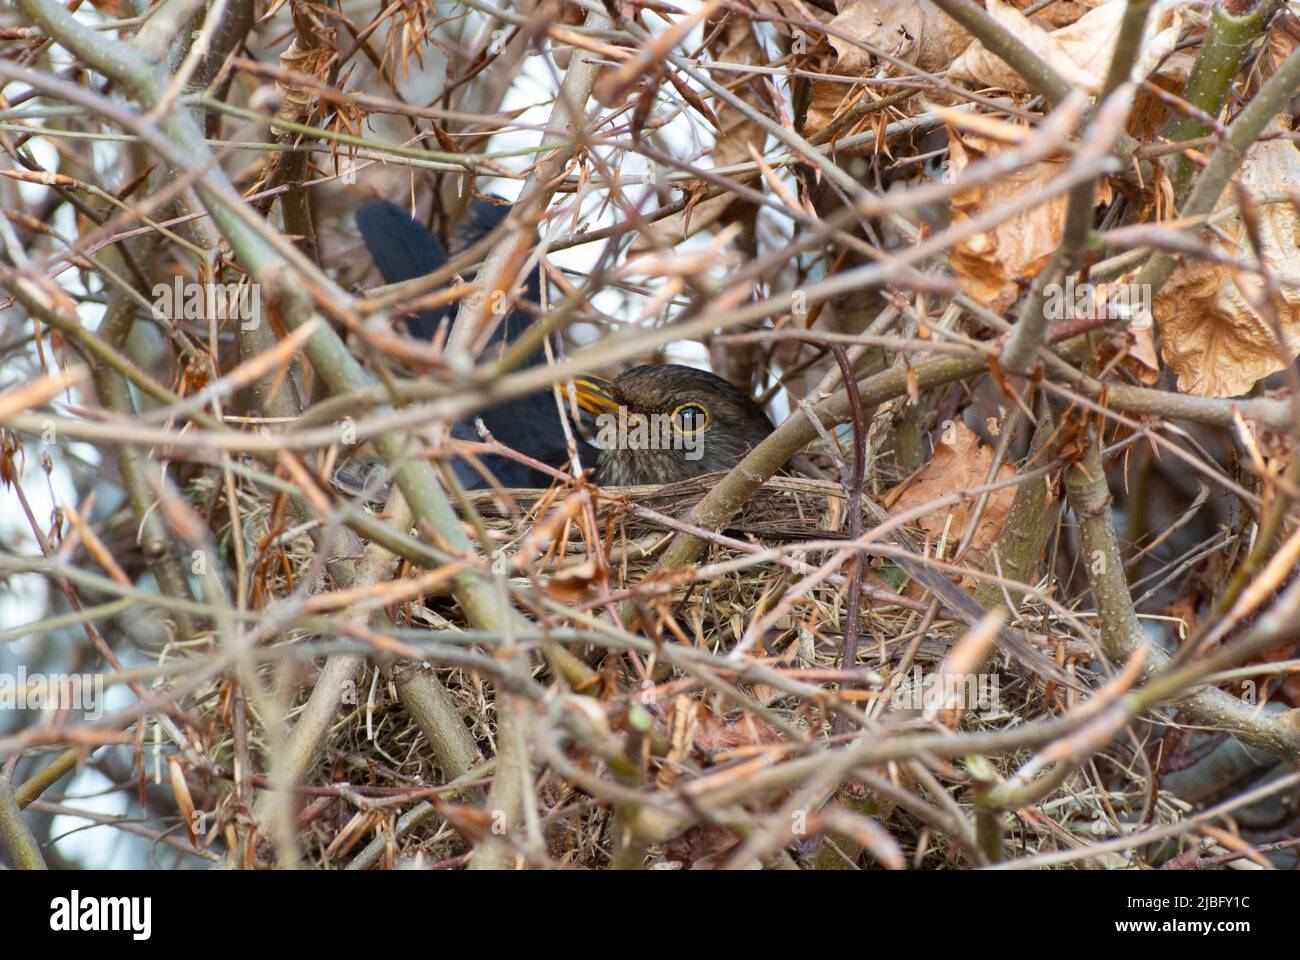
[960, 462]
[1212, 333]
[918, 33]
[1061, 12]
[988, 264]
[1080, 51]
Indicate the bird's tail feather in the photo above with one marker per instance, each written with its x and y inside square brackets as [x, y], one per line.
[402, 250]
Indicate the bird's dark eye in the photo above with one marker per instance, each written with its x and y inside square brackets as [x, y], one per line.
[690, 418]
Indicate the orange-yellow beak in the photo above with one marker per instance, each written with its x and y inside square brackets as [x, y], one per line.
[593, 395]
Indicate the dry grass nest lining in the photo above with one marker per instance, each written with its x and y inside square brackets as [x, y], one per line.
[374, 742]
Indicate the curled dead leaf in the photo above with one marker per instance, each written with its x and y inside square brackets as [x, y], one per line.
[918, 33]
[701, 847]
[184, 801]
[1213, 334]
[1141, 359]
[1061, 12]
[1135, 345]
[989, 264]
[1080, 51]
[960, 462]
[1283, 38]
[715, 738]
[575, 584]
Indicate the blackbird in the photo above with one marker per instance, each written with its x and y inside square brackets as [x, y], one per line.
[663, 422]
[655, 423]
[403, 250]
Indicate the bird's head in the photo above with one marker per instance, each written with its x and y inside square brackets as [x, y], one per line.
[662, 422]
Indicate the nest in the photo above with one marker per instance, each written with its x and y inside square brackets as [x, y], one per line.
[707, 723]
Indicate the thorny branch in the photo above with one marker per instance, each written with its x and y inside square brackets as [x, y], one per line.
[719, 673]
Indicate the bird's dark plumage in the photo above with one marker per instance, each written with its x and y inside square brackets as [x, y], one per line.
[402, 250]
[678, 422]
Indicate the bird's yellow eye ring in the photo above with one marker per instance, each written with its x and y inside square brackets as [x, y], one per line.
[690, 418]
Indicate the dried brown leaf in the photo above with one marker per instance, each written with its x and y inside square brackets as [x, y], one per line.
[701, 847]
[1080, 51]
[1141, 359]
[575, 584]
[181, 792]
[1213, 334]
[1061, 12]
[1135, 345]
[712, 736]
[989, 263]
[960, 462]
[1283, 38]
[918, 33]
